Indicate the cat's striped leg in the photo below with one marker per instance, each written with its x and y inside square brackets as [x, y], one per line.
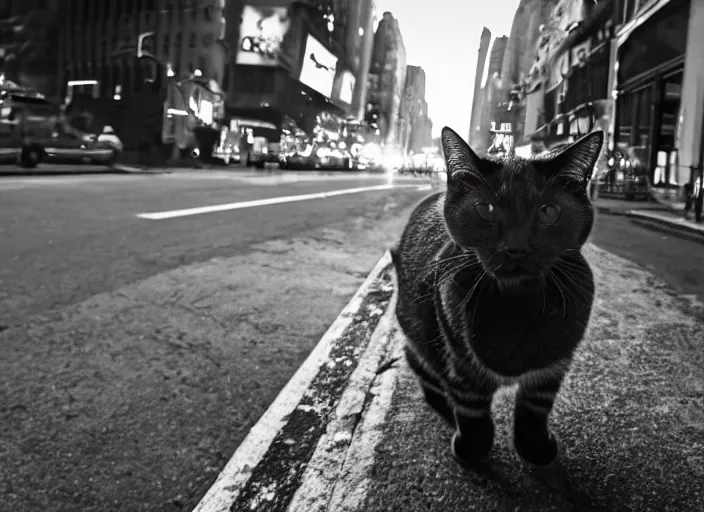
[432, 388]
[532, 438]
[474, 435]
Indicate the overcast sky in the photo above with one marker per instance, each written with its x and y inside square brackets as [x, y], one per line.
[442, 36]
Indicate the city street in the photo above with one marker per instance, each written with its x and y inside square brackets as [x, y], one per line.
[142, 333]
[135, 353]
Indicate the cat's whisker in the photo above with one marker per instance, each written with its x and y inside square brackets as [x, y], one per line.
[542, 286]
[559, 286]
[476, 302]
[579, 292]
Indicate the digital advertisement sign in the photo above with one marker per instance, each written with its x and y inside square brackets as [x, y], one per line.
[262, 34]
[346, 87]
[319, 67]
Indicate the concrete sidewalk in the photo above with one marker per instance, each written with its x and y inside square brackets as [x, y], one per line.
[654, 216]
[351, 432]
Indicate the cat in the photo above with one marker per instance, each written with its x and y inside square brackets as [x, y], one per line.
[493, 290]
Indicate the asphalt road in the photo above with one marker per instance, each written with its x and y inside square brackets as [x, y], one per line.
[135, 353]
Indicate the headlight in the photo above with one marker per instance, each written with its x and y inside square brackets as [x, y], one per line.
[342, 145]
[372, 150]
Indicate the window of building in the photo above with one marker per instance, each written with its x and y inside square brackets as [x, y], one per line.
[192, 40]
[202, 64]
[207, 13]
[624, 119]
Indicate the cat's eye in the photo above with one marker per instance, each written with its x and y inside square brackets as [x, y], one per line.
[548, 214]
[486, 211]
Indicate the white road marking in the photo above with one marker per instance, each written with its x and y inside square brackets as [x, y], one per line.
[238, 470]
[263, 202]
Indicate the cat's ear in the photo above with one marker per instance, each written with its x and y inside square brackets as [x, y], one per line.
[576, 162]
[458, 155]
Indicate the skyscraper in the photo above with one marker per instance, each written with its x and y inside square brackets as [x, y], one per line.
[389, 65]
[475, 116]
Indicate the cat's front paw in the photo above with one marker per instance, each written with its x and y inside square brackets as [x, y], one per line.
[541, 450]
[468, 449]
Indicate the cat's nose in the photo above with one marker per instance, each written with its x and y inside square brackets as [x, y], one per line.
[517, 253]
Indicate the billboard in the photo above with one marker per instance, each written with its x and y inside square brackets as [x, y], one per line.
[262, 34]
[344, 87]
[319, 66]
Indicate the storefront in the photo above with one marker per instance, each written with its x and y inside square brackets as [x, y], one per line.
[649, 80]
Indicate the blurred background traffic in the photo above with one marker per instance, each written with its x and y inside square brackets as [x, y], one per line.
[325, 84]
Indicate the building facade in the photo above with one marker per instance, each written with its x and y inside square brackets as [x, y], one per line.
[29, 40]
[488, 100]
[360, 45]
[414, 112]
[101, 72]
[388, 75]
[632, 68]
[475, 120]
[291, 62]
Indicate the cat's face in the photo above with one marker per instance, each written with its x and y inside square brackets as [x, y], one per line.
[519, 216]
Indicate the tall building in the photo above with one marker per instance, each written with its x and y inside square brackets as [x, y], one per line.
[389, 66]
[414, 123]
[475, 116]
[360, 44]
[29, 40]
[488, 97]
[496, 57]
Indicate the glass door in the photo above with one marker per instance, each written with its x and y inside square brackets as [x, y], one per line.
[664, 175]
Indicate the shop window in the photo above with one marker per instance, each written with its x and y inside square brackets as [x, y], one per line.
[644, 109]
[665, 169]
[624, 119]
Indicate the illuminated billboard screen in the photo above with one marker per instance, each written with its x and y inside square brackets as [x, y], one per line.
[346, 90]
[319, 65]
[262, 33]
